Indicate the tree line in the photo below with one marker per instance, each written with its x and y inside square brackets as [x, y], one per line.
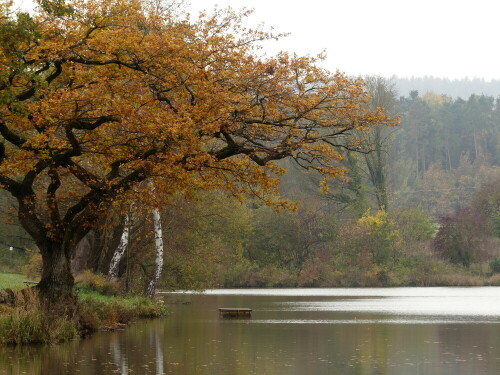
[370, 230]
[454, 88]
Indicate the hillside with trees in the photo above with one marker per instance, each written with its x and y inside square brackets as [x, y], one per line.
[454, 88]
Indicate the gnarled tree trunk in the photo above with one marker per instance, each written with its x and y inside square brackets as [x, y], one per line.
[56, 284]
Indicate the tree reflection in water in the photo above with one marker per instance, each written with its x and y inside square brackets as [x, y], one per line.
[281, 339]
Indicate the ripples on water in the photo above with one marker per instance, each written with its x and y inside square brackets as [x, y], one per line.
[440, 305]
[373, 331]
[357, 292]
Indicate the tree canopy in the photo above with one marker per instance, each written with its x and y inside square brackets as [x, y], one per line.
[98, 96]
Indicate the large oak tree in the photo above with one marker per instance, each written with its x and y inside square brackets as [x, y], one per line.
[98, 96]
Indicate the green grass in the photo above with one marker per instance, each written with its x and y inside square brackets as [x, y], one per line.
[98, 311]
[13, 281]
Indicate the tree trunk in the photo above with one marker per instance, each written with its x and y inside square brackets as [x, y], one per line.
[159, 252]
[448, 152]
[476, 151]
[56, 284]
[120, 250]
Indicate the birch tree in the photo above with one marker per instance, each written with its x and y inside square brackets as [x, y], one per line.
[121, 248]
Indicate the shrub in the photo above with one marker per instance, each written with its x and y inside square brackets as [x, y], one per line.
[87, 280]
[494, 280]
[29, 323]
[414, 225]
[461, 237]
[380, 237]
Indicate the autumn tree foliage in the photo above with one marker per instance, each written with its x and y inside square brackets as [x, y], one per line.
[98, 96]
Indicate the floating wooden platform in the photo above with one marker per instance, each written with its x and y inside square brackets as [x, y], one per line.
[234, 312]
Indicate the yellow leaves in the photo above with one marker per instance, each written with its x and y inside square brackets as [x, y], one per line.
[377, 220]
[434, 100]
[197, 108]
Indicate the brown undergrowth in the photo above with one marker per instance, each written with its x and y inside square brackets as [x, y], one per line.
[27, 322]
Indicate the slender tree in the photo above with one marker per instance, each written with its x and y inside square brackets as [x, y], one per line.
[376, 158]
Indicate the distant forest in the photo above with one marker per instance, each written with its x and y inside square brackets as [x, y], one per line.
[421, 206]
[462, 88]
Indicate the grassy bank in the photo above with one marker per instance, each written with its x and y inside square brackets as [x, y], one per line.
[13, 281]
[97, 311]
[28, 323]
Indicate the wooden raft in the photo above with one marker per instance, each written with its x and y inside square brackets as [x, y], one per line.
[234, 312]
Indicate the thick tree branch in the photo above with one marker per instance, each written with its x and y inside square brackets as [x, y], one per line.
[86, 177]
[77, 150]
[56, 73]
[102, 194]
[134, 66]
[27, 214]
[91, 124]
[30, 92]
[13, 187]
[39, 167]
[52, 205]
[10, 136]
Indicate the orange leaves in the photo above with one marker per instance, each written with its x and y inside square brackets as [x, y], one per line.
[117, 93]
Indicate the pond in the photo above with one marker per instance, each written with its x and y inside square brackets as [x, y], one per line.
[294, 332]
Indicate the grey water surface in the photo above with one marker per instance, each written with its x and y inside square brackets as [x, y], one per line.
[294, 332]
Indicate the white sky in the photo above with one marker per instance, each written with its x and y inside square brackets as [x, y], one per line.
[443, 38]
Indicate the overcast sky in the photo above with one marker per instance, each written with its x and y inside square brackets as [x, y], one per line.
[443, 38]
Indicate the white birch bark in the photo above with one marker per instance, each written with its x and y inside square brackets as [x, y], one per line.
[119, 359]
[120, 250]
[156, 342]
[122, 247]
[159, 355]
[159, 252]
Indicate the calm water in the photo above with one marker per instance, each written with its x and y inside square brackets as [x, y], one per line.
[295, 331]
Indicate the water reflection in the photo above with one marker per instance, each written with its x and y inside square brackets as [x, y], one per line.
[346, 332]
[119, 359]
[436, 306]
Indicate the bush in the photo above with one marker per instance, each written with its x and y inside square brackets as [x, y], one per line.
[461, 237]
[380, 238]
[88, 280]
[29, 323]
[414, 225]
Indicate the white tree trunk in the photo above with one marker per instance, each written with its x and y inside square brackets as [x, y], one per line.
[119, 358]
[120, 250]
[159, 252]
[122, 247]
